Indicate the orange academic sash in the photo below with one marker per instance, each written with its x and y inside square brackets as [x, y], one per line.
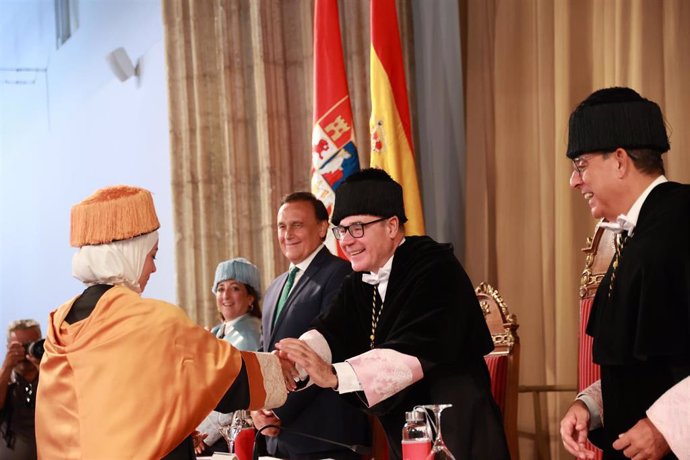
[132, 380]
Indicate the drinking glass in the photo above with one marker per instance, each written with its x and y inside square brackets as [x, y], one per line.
[230, 432]
[439, 451]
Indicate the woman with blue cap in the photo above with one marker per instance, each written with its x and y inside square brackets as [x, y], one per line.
[236, 286]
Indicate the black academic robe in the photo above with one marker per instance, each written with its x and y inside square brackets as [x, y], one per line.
[430, 312]
[641, 329]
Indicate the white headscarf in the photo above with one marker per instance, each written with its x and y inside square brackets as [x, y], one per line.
[119, 262]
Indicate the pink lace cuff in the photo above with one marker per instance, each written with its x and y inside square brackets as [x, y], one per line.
[384, 372]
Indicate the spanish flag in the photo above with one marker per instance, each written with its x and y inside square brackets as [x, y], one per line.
[334, 154]
[389, 125]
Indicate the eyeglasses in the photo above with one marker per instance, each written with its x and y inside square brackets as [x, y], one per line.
[581, 163]
[356, 230]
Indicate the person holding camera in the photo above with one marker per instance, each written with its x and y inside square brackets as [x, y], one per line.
[18, 382]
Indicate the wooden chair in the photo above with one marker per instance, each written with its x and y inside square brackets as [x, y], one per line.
[599, 251]
[504, 361]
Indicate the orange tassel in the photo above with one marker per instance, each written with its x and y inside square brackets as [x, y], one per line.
[111, 214]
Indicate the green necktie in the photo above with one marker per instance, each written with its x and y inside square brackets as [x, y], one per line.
[285, 293]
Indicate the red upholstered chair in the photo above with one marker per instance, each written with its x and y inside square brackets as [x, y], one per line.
[504, 361]
[599, 252]
[379, 443]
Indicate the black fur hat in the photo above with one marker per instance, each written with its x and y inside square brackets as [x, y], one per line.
[370, 191]
[616, 117]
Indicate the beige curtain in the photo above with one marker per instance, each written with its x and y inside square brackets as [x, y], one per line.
[229, 90]
[528, 64]
[240, 92]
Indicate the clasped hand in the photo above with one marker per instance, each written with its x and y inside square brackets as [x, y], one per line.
[643, 441]
[295, 354]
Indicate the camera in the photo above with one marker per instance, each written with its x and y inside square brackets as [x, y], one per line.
[35, 349]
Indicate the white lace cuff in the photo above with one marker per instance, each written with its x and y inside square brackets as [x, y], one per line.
[591, 396]
[318, 343]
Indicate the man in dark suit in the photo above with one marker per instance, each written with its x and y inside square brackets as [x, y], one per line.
[291, 302]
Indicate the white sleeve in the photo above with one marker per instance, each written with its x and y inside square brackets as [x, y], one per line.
[347, 378]
[211, 426]
[317, 342]
[592, 398]
[670, 414]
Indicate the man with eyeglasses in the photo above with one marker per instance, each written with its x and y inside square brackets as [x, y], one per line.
[640, 318]
[291, 303]
[406, 328]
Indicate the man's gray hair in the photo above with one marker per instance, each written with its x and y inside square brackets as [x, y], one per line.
[22, 324]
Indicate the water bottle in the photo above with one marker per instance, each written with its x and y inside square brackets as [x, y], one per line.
[416, 436]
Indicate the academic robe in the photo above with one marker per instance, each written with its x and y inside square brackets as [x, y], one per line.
[430, 312]
[135, 377]
[641, 329]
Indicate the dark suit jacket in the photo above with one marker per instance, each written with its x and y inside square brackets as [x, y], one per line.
[316, 411]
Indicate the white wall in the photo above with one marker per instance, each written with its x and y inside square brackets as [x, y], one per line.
[75, 129]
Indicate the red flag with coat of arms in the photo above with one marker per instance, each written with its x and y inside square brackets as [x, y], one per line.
[334, 154]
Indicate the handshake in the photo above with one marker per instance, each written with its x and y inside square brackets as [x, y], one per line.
[302, 365]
